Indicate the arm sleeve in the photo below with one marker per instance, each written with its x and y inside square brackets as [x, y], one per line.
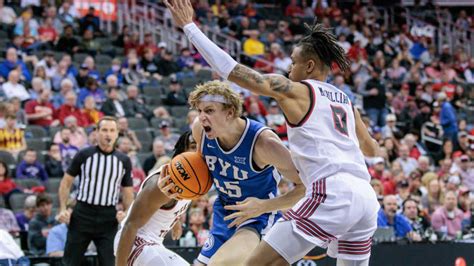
[75, 167]
[127, 178]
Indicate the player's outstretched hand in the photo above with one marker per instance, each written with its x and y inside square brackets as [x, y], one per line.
[247, 209]
[182, 11]
[165, 185]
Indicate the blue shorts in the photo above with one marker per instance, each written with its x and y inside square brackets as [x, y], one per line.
[220, 233]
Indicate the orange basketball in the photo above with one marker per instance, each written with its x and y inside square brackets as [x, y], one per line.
[189, 172]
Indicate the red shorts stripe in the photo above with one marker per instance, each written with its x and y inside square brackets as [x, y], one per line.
[356, 242]
[354, 252]
[368, 244]
[303, 209]
[312, 228]
[354, 249]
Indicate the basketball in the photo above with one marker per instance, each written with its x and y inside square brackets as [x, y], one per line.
[189, 172]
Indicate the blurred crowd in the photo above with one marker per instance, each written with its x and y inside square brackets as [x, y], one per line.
[60, 73]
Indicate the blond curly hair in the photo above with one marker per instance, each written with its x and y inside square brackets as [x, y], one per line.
[217, 87]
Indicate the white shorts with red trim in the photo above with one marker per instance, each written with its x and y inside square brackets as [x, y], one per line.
[338, 213]
[147, 253]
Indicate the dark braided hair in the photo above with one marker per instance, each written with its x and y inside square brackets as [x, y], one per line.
[322, 43]
[183, 143]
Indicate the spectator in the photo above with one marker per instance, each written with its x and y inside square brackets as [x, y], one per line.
[15, 108]
[252, 46]
[434, 198]
[419, 224]
[40, 225]
[112, 105]
[390, 130]
[56, 239]
[11, 254]
[67, 42]
[53, 163]
[158, 151]
[47, 33]
[255, 114]
[190, 118]
[388, 217]
[185, 60]
[67, 86]
[78, 134]
[375, 99]
[465, 170]
[124, 131]
[88, 45]
[115, 71]
[134, 106]
[12, 62]
[69, 108]
[30, 167]
[41, 111]
[150, 64]
[82, 76]
[169, 139]
[196, 226]
[407, 163]
[91, 89]
[293, 9]
[90, 22]
[340, 84]
[462, 143]
[7, 185]
[148, 43]
[176, 95]
[124, 144]
[90, 112]
[12, 88]
[447, 117]
[166, 65]
[29, 209]
[66, 149]
[12, 138]
[447, 219]
[7, 15]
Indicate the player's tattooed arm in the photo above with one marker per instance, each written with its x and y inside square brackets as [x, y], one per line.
[273, 85]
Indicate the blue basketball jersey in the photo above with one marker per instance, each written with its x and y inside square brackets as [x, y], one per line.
[234, 173]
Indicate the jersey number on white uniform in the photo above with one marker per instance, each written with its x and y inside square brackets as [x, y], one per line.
[339, 116]
[231, 188]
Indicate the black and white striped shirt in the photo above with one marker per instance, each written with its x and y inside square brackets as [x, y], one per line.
[100, 175]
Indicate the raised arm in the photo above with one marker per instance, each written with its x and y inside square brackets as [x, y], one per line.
[148, 201]
[293, 97]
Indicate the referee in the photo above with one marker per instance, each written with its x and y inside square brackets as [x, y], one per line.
[102, 171]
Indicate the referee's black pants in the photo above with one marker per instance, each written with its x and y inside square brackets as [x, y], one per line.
[91, 223]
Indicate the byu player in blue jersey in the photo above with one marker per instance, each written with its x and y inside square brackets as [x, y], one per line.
[245, 159]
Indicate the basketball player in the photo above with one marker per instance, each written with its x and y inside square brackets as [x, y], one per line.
[245, 160]
[328, 141]
[152, 215]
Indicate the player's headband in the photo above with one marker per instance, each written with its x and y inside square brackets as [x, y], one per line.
[213, 98]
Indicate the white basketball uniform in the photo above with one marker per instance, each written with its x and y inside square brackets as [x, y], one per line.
[148, 246]
[339, 210]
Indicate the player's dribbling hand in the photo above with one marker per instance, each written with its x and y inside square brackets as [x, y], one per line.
[247, 209]
[182, 11]
[165, 185]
